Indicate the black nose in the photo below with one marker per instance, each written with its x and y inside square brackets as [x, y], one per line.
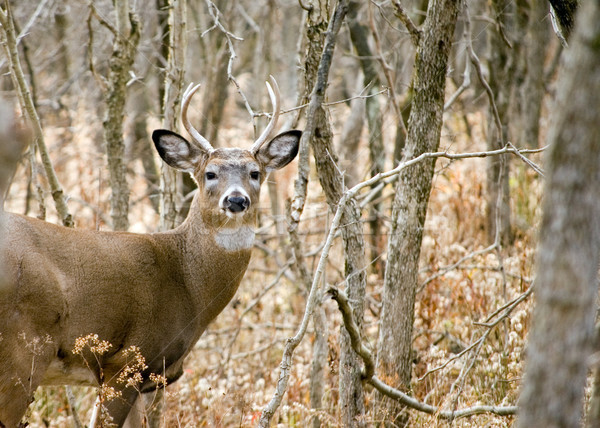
[237, 204]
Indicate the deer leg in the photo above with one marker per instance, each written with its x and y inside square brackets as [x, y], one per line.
[20, 374]
[117, 409]
[146, 411]
[14, 401]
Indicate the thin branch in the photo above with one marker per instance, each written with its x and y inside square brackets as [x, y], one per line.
[387, 71]
[249, 308]
[415, 33]
[71, 399]
[103, 21]
[102, 81]
[466, 74]
[478, 68]
[453, 266]
[391, 175]
[216, 14]
[369, 376]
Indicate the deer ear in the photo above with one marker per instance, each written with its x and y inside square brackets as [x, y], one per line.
[175, 150]
[280, 151]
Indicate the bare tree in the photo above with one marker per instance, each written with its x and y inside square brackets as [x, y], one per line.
[501, 65]
[126, 36]
[394, 349]
[562, 335]
[351, 391]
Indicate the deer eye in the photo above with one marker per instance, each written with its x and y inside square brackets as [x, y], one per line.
[210, 175]
[255, 175]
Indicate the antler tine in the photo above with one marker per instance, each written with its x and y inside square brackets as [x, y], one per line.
[274, 94]
[196, 137]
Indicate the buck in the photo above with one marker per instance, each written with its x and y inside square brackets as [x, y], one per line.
[156, 291]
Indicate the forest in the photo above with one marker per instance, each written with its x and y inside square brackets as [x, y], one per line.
[430, 257]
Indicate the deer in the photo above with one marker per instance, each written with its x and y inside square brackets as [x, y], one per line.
[157, 291]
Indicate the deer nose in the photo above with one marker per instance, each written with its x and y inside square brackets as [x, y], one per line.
[237, 204]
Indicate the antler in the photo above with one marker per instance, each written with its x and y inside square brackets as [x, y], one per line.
[196, 137]
[273, 89]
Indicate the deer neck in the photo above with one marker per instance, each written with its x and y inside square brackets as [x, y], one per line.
[215, 257]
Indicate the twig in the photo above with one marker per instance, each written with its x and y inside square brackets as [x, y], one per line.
[369, 376]
[453, 266]
[415, 33]
[90, 52]
[71, 399]
[477, 63]
[333, 103]
[387, 71]
[466, 74]
[215, 14]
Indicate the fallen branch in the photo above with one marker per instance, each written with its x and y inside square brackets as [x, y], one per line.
[387, 390]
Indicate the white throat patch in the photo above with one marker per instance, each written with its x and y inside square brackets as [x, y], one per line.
[235, 239]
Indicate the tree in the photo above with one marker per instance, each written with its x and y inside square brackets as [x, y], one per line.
[562, 334]
[501, 66]
[126, 35]
[394, 348]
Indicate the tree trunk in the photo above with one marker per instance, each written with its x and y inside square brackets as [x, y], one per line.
[359, 34]
[125, 44]
[532, 92]
[562, 333]
[501, 70]
[350, 137]
[351, 392]
[175, 31]
[394, 355]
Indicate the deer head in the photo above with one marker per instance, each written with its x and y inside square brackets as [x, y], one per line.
[228, 179]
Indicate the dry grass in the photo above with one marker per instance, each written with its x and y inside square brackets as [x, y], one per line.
[231, 373]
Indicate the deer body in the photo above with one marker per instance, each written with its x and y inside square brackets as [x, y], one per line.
[156, 291]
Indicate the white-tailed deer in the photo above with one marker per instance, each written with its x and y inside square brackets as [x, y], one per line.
[156, 291]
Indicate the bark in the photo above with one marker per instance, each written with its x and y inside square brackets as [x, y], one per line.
[64, 59]
[359, 35]
[562, 333]
[143, 146]
[532, 91]
[593, 414]
[216, 96]
[176, 43]
[501, 72]
[126, 38]
[319, 361]
[394, 355]
[351, 390]
[350, 137]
